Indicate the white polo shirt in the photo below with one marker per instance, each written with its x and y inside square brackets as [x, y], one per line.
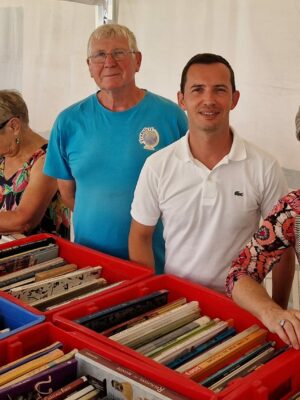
[208, 215]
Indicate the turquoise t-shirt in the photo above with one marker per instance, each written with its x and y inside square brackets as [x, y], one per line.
[104, 151]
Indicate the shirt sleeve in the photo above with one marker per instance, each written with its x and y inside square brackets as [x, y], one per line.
[275, 187]
[266, 246]
[145, 206]
[56, 164]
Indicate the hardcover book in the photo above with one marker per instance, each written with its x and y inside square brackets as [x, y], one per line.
[146, 331]
[35, 291]
[24, 247]
[112, 316]
[20, 361]
[217, 349]
[29, 272]
[229, 354]
[69, 294]
[122, 383]
[144, 317]
[23, 260]
[41, 384]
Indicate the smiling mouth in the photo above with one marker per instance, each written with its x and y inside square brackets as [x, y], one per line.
[209, 114]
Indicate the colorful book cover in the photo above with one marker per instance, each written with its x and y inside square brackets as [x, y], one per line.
[42, 384]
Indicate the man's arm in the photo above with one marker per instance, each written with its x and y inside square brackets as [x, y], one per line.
[34, 202]
[282, 278]
[140, 244]
[250, 295]
[67, 190]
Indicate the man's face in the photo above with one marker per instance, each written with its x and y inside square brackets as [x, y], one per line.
[113, 74]
[208, 97]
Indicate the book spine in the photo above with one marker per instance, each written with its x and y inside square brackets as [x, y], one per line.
[217, 349]
[100, 366]
[44, 366]
[31, 365]
[111, 316]
[228, 333]
[30, 357]
[187, 345]
[42, 383]
[41, 276]
[157, 326]
[147, 348]
[143, 317]
[29, 272]
[228, 354]
[54, 286]
[236, 364]
[14, 250]
[67, 389]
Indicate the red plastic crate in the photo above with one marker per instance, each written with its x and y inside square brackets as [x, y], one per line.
[35, 338]
[212, 304]
[113, 269]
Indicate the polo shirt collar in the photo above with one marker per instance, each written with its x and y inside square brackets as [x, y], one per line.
[237, 151]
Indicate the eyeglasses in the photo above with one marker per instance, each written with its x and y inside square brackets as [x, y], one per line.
[117, 55]
[5, 122]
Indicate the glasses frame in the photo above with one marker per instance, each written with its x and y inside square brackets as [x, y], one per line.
[92, 58]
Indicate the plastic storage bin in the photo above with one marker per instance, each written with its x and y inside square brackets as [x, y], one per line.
[16, 318]
[212, 304]
[113, 268]
[43, 335]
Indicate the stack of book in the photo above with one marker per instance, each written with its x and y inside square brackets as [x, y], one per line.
[176, 334]
[35, 274]
[40, 371]
[52, 375]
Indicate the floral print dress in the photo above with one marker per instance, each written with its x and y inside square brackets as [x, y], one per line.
[280, 230]
[57, 217]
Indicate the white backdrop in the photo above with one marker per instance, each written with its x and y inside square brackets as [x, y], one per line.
[261, 40]
[42, 54]
[43, 50]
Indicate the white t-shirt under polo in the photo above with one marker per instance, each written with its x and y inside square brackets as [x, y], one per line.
[208, 215]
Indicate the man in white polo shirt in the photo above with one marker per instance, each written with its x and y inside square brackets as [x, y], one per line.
[211, 187]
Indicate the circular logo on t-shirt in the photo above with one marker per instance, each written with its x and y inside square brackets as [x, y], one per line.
[149, 137]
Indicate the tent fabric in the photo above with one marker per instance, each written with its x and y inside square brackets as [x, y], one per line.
[43, 51]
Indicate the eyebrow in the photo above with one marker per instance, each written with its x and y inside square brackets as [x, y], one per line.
[201, 85]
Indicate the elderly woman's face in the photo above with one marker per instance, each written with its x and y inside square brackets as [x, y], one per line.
[8, 145]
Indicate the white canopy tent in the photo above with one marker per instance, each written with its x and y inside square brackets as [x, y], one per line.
[43, 51]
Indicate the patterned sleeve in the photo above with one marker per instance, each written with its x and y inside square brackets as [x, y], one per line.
[266, 246]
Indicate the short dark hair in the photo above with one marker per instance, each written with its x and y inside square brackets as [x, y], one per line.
[206, 58]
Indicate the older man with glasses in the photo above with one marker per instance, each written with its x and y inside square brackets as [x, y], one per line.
[99, 145]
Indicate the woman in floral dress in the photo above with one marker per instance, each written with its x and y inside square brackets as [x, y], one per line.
[278, 232]
[29, 201]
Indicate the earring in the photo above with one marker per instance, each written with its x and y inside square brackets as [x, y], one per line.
[17, 140]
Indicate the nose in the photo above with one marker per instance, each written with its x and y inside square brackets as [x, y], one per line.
[209, 98]
[109, 60]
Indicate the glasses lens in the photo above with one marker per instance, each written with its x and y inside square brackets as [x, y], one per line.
[119, 54]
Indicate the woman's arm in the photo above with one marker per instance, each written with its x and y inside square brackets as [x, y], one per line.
[250, 295]
[33, 204]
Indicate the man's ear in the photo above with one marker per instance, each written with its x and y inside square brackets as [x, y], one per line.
[235, 99]
[89, 65]
[180, 100]
[138, 60]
